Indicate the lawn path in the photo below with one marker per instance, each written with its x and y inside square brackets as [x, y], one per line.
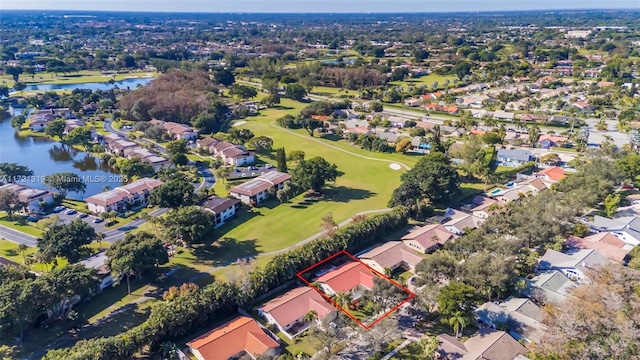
[338, 148]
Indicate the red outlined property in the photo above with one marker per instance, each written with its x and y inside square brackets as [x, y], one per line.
[330, 279]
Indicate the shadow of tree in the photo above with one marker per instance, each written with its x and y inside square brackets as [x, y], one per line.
[346, 194]
[226, 250]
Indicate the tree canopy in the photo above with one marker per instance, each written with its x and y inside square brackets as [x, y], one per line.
[68, 240]
[65, 182]
[432, 178]
[312, 174]
[174, 193]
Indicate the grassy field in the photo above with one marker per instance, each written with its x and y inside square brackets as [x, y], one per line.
[74, 78]
[427, 80]
[364, 184]
[27, 228]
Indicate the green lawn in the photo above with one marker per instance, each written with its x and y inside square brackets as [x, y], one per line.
[364, 184]
[16, 224]
[427, 80]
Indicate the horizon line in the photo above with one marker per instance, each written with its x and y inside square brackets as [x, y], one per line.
[339, 12]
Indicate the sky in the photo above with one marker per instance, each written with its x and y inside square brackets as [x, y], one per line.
[323, 6]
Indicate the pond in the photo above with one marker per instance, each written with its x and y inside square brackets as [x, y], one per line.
[123, 84]
[46, 157]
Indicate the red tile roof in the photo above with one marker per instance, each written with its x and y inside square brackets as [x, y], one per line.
[554, 173]
[347, 277]
[233, 337]
[294, 304]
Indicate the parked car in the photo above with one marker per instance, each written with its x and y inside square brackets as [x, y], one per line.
[70, 212]
[269, 166]
[58, 208]
[83, 215]
[97, 220]
[32, 218]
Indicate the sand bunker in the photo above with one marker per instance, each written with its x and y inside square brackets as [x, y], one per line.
[238, 123]
[395, 166]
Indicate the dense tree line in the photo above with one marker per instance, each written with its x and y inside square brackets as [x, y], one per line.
[193, 310]
[186, 97]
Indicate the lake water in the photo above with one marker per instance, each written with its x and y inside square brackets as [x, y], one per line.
[46, 157]
[123, 84]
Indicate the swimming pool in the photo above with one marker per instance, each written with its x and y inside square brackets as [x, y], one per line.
[495, 191]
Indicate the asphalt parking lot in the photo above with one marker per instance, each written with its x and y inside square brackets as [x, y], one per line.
[66, 219]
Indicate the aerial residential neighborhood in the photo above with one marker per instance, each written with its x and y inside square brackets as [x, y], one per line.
[298, 180]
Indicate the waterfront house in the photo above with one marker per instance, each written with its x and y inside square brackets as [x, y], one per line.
[33, 199]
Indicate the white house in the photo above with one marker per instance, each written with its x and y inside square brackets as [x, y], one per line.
[33, 199]
[124, 197]
[255, 191]
[222, 208]
[99, 263]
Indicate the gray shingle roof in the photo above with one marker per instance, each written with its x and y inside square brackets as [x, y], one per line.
[519, 155]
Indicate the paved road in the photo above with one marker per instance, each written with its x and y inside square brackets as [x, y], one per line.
[17, 236]
[119, 233]
[208, 178]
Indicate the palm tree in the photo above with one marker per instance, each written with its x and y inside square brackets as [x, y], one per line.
[310, 316]
[343, 299]
[22, 248]
[458, 321]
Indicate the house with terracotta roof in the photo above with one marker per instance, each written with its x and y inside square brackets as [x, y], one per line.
[124, 197]
[350, 277]
[33, 199]
[287, 311]
[606, 243]
[486, 344]
[552, 174]
[428, 238]
[255, 191]
[391, 255]
[238, 337]
[223, 208]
